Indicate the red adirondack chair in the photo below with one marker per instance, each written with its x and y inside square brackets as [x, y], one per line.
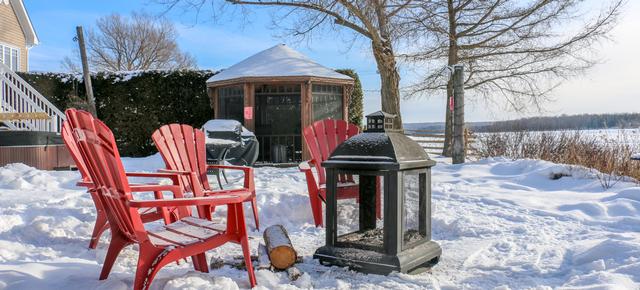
[101, 224]
[322, 137]
[186, 237]
[183, 150]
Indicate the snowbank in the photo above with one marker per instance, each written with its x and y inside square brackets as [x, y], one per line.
[502, 225]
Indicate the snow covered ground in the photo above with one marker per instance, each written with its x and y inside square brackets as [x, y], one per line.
[502, 225]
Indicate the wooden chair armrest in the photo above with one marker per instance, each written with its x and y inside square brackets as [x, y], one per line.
[215, 200]
[85, 184]
[224, 191]
[157, 188]
[170, 175]
[151, 174]
[179, 172]
[304, 166]
[153, 187]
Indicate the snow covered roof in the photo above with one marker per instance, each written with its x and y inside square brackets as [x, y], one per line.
[278, 61]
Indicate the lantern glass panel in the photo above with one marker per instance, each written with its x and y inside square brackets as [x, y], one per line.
[414, 217]
[357, 224]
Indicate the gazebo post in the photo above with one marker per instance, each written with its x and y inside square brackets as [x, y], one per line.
[249, 106]
[213, 99]
[346, 94]
[306, 113]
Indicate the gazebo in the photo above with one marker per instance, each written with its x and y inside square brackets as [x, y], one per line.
[277, 92]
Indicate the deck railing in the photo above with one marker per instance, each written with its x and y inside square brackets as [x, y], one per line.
[17, 96]
[433, 141]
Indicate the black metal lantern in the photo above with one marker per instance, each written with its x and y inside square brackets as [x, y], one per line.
[381, 156]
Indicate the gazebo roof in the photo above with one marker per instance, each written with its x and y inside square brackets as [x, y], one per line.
[276, 62]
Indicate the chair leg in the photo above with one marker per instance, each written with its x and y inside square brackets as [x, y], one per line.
[244, 242]
[149, 263]
[118, 242]
[100, 226]
[200, 263]
[254, 205]
[316, 207]
[247, 260]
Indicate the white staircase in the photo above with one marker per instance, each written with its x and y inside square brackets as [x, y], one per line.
[20, 97]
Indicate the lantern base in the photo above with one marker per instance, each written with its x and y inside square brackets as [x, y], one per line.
[412, 261]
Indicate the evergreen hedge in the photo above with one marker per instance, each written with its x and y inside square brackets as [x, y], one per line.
[134, 104]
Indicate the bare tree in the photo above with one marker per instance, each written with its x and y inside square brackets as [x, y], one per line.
[513, 51]
[375, 21]
[139, 42]
[70, 65]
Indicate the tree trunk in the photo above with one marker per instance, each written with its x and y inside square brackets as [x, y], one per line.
[448, 126]
[389, 80]
[458, 152]
[453, 59]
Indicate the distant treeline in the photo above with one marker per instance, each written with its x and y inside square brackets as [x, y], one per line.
[563, 122]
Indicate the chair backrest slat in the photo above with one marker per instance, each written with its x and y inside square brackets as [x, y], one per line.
[330, 132]
[67, 138]
[201, 156]
[322, 137]
[183, 148]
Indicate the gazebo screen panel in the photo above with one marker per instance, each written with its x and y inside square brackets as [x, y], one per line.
[327, 102]
[278, 121]
[231, 103]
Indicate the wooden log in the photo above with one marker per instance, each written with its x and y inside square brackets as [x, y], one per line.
[279, 247]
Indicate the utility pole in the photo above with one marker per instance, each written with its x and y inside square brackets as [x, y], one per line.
[85, 72]
[458, 152]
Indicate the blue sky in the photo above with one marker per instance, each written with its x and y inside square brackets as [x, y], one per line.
[609, 87]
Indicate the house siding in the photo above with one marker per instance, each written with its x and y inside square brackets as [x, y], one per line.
[11, 34]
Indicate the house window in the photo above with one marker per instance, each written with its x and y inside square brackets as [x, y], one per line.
[10, 56]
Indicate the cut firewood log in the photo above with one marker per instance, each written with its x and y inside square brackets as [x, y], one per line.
[263, 258]
[279, 247]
